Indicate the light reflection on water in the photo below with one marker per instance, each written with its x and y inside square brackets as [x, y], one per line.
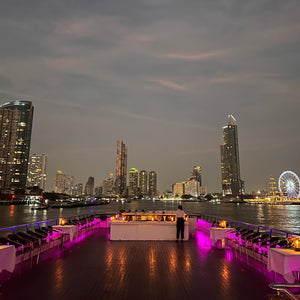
[282, 217]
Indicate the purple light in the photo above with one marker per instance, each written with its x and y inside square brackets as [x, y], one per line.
[203, 225]
[203, 241]
[228, 255]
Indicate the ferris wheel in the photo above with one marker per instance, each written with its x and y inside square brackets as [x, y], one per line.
[289, 184]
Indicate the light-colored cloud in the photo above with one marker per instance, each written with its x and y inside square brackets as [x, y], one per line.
[169, 84]
[196, 56]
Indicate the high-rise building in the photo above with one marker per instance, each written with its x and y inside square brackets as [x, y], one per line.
[178, 189]
[15, 137]
[230, 162]
[37, 168]
[108, 186]
[143, 183]
[192, 187]
[89, 187]
[272, 186]
[152, 184]
[98, 191]
[62, 183]
[133, 182]
[78, 189]
[196, 174]
[121, 169]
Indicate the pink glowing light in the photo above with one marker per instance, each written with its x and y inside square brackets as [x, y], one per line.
[228, 255]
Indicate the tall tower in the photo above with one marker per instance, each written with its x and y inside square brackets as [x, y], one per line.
[133, 182]
[121, 169]
[37, 168]
[89, 187]
[15, 137]
[196, 174]
[143, 184]
[152, 184]
[230, 162]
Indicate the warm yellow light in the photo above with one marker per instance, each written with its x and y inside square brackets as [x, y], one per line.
[222, 224]
[152, 218]
[62, 221]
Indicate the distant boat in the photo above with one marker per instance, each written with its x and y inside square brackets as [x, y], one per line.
[233, 200]
[40, 207]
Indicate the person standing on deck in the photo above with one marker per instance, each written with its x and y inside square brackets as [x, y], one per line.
[180, 222]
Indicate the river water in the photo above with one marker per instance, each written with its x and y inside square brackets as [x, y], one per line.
[281, 217]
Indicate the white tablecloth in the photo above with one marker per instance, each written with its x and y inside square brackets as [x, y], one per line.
[69, 229]
[218, 233]
[157, 231]
[7, 258]
[284, 262]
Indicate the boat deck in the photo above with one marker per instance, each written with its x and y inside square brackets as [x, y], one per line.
[97, 268]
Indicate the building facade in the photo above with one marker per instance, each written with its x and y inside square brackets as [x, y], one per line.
[78, 189]
[37, 168]
[89, 187]
[192, 187]
[272, 186]
[196, 174]
[230, 162]
[121, 169]
[15, 138]
[108, 186]
[143, 182]
[62, 183]
[178, 189]
[152, 184]
[133, 182]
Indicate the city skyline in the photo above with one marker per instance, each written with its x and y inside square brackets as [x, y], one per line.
[160, 75]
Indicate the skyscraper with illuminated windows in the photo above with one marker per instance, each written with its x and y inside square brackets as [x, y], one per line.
[133, 182]
[37, 168]
[121, 169]
[152, 184]
[62, 183]
[143, 183]
[15, 137]
[230, 162]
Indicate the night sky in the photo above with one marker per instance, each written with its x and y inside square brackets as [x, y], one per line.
[162, 76]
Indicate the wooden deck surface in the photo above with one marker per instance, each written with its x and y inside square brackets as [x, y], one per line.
[97, 268]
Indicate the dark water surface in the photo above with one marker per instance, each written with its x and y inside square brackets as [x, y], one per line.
[282, 217]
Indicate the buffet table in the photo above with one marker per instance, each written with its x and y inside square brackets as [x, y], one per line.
[285, 262]
[68, 229]
[143, 231]
[7, 258]
[218, 233]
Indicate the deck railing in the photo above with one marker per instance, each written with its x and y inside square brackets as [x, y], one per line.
[234, 224]
[25, 227]
[285, 289]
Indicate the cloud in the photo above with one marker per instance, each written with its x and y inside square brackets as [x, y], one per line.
[169, 84]
[197, 56]
[168, 72]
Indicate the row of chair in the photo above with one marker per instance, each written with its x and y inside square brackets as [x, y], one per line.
[24, 241]
[260, 241]
[81, 221]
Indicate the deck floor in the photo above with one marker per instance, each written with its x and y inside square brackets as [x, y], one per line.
[97, 268]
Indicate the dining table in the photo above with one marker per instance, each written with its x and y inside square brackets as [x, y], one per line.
[285, 262]
[7, 258]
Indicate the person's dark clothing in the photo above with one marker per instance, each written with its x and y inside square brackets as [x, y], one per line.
[180, 227]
